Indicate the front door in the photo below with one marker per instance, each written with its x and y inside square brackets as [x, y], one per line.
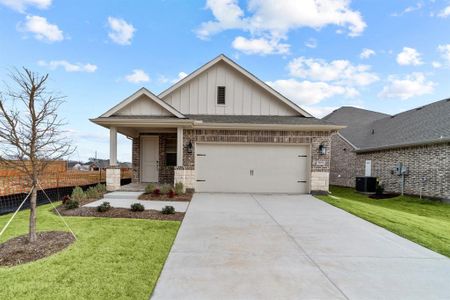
[149, 159]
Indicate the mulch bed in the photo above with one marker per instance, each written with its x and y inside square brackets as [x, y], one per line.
[18, 250]
[384, 196]
[184, 197]
[120, 213]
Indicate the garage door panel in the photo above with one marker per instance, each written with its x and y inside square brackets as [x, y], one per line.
[252, 168]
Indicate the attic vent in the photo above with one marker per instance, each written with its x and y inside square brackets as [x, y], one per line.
[373, 131]
[221, 95]
[419, 108]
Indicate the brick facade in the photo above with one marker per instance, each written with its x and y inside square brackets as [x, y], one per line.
[320, 164]
[429, 167]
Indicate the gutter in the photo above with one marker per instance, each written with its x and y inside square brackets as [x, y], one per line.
[191, 123]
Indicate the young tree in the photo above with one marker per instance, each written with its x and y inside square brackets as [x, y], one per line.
[31, 133]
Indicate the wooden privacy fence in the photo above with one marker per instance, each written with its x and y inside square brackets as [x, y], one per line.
[10, 185]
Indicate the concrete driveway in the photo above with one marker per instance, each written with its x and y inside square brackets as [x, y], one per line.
[242, 246]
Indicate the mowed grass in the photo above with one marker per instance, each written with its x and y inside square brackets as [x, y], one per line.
[112, 259]
[425, 222]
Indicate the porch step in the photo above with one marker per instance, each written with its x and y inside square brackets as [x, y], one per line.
[122, 195]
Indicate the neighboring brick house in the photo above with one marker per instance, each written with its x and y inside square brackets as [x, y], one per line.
[375, 144]
[221, 129]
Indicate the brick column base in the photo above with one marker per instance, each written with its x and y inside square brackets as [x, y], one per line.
[187, 177]
[320, 182]
[112, 178]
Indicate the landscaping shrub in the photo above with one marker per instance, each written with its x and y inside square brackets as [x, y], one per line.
[165, 189]
[78, 194]
[156, 192]
[65, 199]
[71, 204]
[179, 188]
[92, 193]
[171, 193]
[137, 207]
[101, 188]
[168, 210]
[103, 207]
[379, 189]
[150, 188]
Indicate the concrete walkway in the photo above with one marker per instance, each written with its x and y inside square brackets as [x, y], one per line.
[125, 199]
[241, 246]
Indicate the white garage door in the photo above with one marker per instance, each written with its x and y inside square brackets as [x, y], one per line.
[252, 168]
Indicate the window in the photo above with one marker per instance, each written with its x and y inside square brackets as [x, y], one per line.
[171, 152]
[221, 95]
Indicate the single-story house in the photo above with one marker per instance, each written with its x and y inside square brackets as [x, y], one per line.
[221, 129]
[409, 150]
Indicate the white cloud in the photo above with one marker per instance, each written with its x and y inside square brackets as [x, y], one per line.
[409, 9]
[338, 71]
[307, 92]
[67, 66]
[42, 29]
[445, 12]
[445, 52]
[409, 57]
[121, 32]
[22, 5]
[181, 75]
[137, 76]
[311, 43]
[268, 20]
[259, 46]
[411, 85]
[367, 53]
[436, 64]
[319, 111]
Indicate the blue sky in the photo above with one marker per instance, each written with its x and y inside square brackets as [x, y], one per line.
[381, 55]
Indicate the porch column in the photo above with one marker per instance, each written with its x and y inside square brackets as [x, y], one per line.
[113, 146]
[179, 146]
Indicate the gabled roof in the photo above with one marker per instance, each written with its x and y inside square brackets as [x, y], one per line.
[355, 119]
[136, 95]
[423, 125]
[247, 74]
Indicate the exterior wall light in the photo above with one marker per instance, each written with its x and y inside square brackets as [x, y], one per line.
[322, 149]
[189, 147]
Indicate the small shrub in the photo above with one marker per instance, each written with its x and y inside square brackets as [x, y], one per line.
[137, 207]
[179, 188]
[171, 193]
[156, 192]
[103, 207]
[78, 194]
[379, 189]
[101, 188]
[65, 199]
[165, 189]
[92, 193]
[168, 210]
[72, 204]
[150, 188]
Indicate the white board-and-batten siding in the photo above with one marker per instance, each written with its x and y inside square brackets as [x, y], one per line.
[242, 96]
[143, 106]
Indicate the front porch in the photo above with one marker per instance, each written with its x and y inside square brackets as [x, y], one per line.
[157, 157]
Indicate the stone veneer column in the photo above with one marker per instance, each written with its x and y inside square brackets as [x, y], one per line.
[112, 178]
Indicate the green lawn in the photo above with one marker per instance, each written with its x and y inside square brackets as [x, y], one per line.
[425, 222]
[112, 259]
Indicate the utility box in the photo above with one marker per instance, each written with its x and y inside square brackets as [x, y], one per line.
[366, 184]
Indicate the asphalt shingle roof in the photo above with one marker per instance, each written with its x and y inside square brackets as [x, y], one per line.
[370, 130]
